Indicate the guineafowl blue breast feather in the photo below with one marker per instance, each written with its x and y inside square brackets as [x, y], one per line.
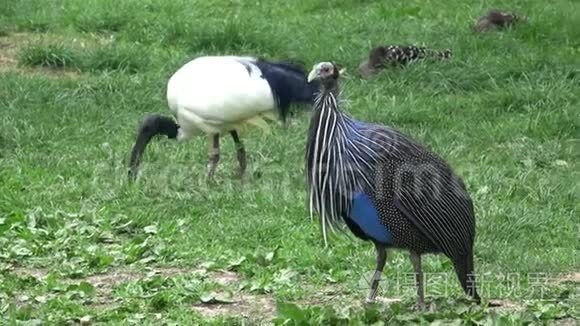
[213, 95]
[386, 188]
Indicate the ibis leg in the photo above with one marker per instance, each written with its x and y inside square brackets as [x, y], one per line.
[214, 155]
[416, 261]
[381, 260]
[241, 152]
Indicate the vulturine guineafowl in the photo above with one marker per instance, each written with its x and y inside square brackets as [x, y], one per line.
[393, 55]
[219, 94]
[386, 188]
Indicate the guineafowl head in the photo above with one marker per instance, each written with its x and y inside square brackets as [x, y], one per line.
[326, 72]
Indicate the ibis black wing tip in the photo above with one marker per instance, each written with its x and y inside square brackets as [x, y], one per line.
[152, 125]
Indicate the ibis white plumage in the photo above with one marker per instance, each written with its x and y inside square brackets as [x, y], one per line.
[213, 95]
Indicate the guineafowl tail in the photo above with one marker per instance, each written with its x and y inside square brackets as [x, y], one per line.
[439, 54]
[466, 274]
[152, 125]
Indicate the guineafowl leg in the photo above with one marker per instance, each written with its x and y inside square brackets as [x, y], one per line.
[241, 152]
[381, 260]
[416, 261]
[214, 155]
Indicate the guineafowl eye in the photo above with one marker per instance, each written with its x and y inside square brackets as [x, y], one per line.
[325, 72]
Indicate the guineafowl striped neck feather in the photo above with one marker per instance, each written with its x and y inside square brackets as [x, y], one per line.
[338, 159]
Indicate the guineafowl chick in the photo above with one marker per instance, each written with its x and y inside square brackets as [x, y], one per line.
[496, 20]
[396, 55]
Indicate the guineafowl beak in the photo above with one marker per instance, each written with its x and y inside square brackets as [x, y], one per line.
[313, 74]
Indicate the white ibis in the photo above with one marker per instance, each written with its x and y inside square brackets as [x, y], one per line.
[213, 95]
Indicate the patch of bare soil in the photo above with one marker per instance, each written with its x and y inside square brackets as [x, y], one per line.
[170, 271]
[121, 275]
[11, 44]
[104, 283]
[506, 305]
[224, 277]
[9, 47]
[242, 305]
[7, 52]
[571, 277]
[327, 295]
[566, 322]
[37, 273]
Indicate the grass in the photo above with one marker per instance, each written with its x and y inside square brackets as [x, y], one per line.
[79, 244]
[128, 59]
[53, 55]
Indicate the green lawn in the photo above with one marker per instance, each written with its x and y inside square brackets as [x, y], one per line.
[79, 244]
